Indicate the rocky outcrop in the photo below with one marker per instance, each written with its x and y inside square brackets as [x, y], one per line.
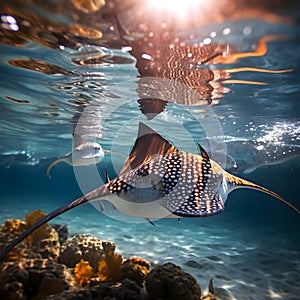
[34, 279]
[126, 290]
[135, 269]
[62, 231]
[84, 247]
[48, 247]
[39, 268]
[170, 282]
[11, 229]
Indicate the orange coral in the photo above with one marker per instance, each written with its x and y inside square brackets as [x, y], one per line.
[42, 232]
[110, 267]
[83, 273]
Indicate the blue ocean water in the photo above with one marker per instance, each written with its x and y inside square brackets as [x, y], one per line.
[55, 75]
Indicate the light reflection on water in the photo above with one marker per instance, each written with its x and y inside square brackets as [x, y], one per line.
[98, 65]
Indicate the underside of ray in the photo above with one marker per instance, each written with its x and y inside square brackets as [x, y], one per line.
[242, 183]
[148, 144]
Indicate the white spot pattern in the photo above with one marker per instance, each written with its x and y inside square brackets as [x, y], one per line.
[185, 184]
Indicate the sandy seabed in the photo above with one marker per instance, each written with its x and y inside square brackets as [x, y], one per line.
[248, 262]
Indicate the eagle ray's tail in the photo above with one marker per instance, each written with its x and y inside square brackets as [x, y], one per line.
[236, 182]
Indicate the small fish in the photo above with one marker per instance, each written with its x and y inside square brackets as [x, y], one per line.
[84, 154]
[158, 180]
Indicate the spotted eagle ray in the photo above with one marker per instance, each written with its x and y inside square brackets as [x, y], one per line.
[158, 180]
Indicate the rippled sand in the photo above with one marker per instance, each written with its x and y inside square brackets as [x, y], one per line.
[246, 262]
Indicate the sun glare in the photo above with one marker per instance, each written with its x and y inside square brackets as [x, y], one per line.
[178, 7]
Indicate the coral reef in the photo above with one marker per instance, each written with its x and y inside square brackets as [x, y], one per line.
[62, 231]
[84, 247]
[44, 240]
[42, 268]
[126, 290]
[135, 269]
[49, 247]
[41, 244]
[8, 232]
[33, 279]
[13, 226]
[170, 282]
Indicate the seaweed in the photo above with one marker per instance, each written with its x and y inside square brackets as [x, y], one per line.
[41, 233]
[110, 267]
[83, 273]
